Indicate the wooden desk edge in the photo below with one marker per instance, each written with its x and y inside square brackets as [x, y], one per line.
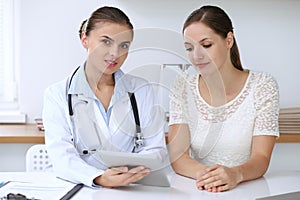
[21, 133]
[22, 139]
[288, 138]
[38, 137]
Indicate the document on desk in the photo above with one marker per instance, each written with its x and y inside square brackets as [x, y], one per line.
[40, 190]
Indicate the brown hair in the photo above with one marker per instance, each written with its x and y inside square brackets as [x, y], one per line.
[216, 18]
[104, 14]
[82, 27]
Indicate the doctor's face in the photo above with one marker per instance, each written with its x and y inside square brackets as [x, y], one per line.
[107, 45]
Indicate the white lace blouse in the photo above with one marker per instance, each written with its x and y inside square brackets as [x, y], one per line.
[223, 134]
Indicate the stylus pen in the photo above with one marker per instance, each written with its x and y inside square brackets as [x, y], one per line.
[72, 192]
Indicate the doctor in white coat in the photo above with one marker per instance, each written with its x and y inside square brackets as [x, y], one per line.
[91, 109]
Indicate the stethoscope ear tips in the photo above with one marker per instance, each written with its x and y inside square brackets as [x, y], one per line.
[85, 152]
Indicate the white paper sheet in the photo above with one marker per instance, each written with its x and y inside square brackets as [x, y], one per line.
[36, 190]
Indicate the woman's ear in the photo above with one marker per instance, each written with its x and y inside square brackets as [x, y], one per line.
[230, 40]
[84, 40]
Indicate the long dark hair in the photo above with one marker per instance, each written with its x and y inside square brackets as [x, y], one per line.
[104, 14]
[216, 18]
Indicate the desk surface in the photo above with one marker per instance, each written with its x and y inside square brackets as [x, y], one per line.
[273, 183]
[27, 133]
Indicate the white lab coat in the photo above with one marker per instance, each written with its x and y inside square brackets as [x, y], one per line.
[66, 138]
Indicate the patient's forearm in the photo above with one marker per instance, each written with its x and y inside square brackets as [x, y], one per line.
[188, 167]
[253, 169]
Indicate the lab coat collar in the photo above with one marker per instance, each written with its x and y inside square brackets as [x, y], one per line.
[80, 86]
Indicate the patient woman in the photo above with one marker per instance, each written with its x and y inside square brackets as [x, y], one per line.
[224, 120]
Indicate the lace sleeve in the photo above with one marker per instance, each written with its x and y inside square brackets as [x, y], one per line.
[266, 96]
[178, 100]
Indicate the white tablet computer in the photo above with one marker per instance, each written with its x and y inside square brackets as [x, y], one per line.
[159, 170]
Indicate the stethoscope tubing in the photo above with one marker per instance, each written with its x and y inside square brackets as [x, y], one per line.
[138, 139]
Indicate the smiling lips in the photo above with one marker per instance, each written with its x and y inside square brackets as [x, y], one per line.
[201, 65]
[111, 63]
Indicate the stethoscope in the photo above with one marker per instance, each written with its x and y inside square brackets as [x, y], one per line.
[138, 138]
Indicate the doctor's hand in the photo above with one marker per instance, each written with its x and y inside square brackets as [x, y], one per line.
[121, 176]
[218, 178]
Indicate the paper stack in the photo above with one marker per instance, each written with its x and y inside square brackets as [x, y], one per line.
[289, 120]
[39, 124]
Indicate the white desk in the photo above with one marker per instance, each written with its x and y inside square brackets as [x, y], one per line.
[182, 188]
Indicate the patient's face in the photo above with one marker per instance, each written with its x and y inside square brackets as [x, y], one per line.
[206, 50]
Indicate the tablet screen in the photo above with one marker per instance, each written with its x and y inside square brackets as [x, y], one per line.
[159, 169]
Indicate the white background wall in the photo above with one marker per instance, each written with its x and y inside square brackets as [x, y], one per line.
[48, 49]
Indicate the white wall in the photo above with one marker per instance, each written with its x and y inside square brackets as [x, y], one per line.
[12, 157]
[48, 47]
[285, 157]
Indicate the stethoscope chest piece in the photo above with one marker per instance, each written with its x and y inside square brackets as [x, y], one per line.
[139, 140]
